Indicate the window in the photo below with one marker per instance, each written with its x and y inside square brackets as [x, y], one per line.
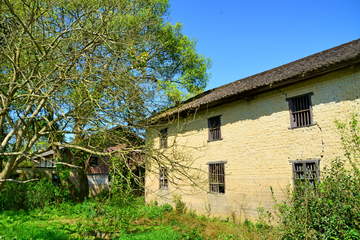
[163, 178]
[47, 164]
[306, 171]
[55, 180]
[163, 138]
[94, 160]
[300, 110]
[216, 177]
[214, 125]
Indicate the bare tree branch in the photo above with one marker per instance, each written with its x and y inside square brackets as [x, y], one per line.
[17, 181]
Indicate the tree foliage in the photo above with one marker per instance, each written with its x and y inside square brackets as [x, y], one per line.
[72, 69]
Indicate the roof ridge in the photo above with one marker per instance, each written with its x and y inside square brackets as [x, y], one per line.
[311, 63]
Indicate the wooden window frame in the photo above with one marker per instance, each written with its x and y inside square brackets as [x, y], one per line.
[214, 132]
[302, 117]
[163, 138]
[217, 179]
[306, 176]
[163, 178]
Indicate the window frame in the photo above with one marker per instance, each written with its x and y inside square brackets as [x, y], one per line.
[46, 163]
[304, 162]
[292, 112]
[220, 186]
[212, 130]
[163, 138]
[163, 178]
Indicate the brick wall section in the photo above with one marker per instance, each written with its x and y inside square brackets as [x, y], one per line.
[258, 144]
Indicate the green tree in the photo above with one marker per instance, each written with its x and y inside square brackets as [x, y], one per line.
[77, 68]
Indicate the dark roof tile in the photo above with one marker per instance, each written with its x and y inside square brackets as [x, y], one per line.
[324, 59]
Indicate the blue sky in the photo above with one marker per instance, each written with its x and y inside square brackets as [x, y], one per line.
[243, 38]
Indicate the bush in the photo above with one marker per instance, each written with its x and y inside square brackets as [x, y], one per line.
[154, 211]
[31, 195]
[167, 207]
[329, 211]
[180, 206]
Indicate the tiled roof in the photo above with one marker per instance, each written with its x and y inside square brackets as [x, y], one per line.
[99, 169]
[301, 67]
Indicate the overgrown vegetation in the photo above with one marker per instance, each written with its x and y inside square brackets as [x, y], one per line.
[118, 215]
[328, 210]
[97, 218]
[31, 195]
[331, 208]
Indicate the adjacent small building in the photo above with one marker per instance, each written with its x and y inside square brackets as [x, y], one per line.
[223, 149]
[98, 170]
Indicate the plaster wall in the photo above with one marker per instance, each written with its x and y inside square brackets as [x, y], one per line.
[257, 144]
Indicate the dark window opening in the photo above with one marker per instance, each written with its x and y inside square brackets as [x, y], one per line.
[163, 178]
[214, 125]
[94, 161]
[300, 111]
[56, 180]
[163, 138]
[217, 177]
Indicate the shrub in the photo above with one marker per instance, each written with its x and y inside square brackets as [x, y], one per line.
[167, 207]
[16, 196]
[180, 206]
[329, 211]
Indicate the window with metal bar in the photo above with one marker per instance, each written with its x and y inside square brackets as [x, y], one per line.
[306, 171]
[216, 177]
[163, 178]
[300, 110]
[163, 138]
[214, 125]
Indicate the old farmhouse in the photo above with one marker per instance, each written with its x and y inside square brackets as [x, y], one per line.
[264, 130]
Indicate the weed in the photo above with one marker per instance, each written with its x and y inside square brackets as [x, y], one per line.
[180, 206]
[191, 235]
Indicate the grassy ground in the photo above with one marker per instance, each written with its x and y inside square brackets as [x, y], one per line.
[95, 220]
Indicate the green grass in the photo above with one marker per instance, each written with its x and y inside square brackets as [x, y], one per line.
[164, 234]
[136, 220]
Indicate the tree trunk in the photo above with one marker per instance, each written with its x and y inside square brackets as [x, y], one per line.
[78, 159]
[7, 171]
[83, 190]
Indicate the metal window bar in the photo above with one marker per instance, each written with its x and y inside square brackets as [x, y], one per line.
[306, 172]
[216, 178]
[301, 111]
